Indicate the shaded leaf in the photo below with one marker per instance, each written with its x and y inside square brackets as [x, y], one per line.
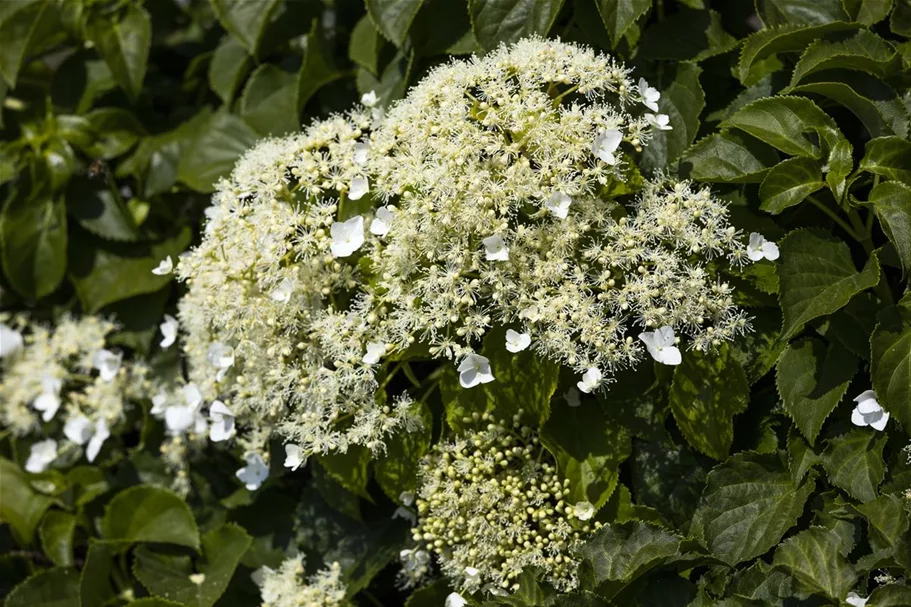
[25, 27]
[787, 38]
[20, 505]
[728, 157]
[867, 12]
[56, 533]
[393, 17]
[349, 469]
[890, 359]
[100, 211]
[213, 151]
[863, 51]
[683, 101]
[269, 101]
[246, 20]
[57, 587]
[621, 553]
[397, 470]
[892, 204]
[687, 35]
[889, 157]
[789, 183]
[317, 68]
[619, 15]
[145, 513]
[33, 239]
[782, 121]
[230, 64]
[96, 587]
[123, 42]
[854, 462]
[814, 559]
[498, 21]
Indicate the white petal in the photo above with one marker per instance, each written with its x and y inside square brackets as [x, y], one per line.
[665, 336]
[558, 204]
[107, 363]
[857, 418]
[165, 267]
[375, 350]
[41, 455]
[369, 99]
[168, 331]
[865, 395]
[179, 418]
[282, 293]
[78, 429]
[571, 396]
[670, 356]
[10, 341]
[48, 403]
[382, 221]
[101, 434]
[293, 456]
[455, 600]
[584, 510]
[881, 424]
[406, 497]
[360, 152]
[855, 600]
[359, 187]
[770, 250]
[220, 355]
[192, 395]
[516, 342]
[347, 236]
[496, 249]
[869, 406]
[254, 473]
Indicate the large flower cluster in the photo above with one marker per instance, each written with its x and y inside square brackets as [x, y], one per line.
[286, 586]
[491, 504]
[64, 374]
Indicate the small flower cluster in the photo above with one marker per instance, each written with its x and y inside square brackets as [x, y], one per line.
[491, 504]
[66, 374]
[286, 587]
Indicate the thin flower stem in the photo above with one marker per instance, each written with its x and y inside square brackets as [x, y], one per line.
[841, 222]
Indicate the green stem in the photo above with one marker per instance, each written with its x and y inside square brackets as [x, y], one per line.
[392, 374]
[841, 222]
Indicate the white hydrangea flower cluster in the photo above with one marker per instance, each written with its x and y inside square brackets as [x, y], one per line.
[286, 586]
[491, 504]
[64, 374]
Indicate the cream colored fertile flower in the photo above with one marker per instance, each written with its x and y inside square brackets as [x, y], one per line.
[287, 586]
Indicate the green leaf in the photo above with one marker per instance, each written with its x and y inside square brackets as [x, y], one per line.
[621, 553]
[853, 325]
[153, 602]
[759, 582]
[123, 42]
[817, 277]
[900, 20]
[497, 21]
[890, 595]
[246, 20]
[214, 150]
[814, 559]
[890, 201]
[789, 183]
[867, 12]
[510, 390]
[269, 101]
[669, 478]
[317, 68]
[100, 211]
[167, 575]
[728, 157]
[107, 272]
[863, 51]
[145, 513]
[809, 12]
[33, 238]
[25, 27]
[589, 459]
[801, 456]
[56, 533]
[758, 350]
[687, 35]
[442, 27]
[854, 462]
[873, 101]
[708, 390]
[432, 595]
[841, 165]
[890, 358]
[230, 64]
[57, 587]
[683, 101]
[889, 157]
[788, 38]
[619, 15]
[888, 524]
[812, 379]
[96, 587]
[350, 469]
[748, 504]
[397, 470]
[393, 17]
[782, 121]
[118, 130]
[365, 44]
[20, 505]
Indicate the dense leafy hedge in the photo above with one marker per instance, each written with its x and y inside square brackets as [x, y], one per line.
[744, 476]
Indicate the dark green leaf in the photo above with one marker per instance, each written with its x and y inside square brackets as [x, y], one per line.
[890, 595]
[33, 238]
[365, 44]
[214, 150]
[317, 68]
[56, 533]
[669, 478]
[867, 12]
[854, 462]
[349, 469]
[619, 15]
[621, 553]
[100, 211]
[96, 587]
[432, 595]
[708, 390]
[758, 350]
[20, 505]
[900, 20]
[269, 101]
[230, 64]
[814, 559]
[683, 101]
[817, 277]
[26, 27]
[801, 456]
[57, 587]
[812, 379]
[748, 504]
[888, 523]
[889, 157]
[759, 582]
[728, 157]
[117, 129]
[891, 361]
[498, 21]
[840, 165]
[123, 42]
[782, 122]
[788, 183]
[863, 51]
[853, 325]
[396, 471]
[145, 513]
[809, 12]
[688, 35]
[892, 203]
[393, 17]
[246, 20]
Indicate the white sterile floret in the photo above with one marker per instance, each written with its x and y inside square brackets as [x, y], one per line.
[369, 99]
[41, 455]
[360, 152]
[605, 144]
[221, 356]
[347, 236]
[662, 345]
[591, 379]
[375, 351]
[10, 341]
[583, 510]
[282, 293]
[78, 429]
[495, 249]
[760, 248]
[650, 95]
[516, 342]
[107, 363]
[168, 331]
[255, 473]
[221, 427]
[855, 600]
[165, 267]
[180, 419]
[100, 434]
[48, 402]
[454, 599]
[382, 220]
[660, 122]
[869, 412]
[294, 456]
[473, 370]
[359, 186]
[558, 204]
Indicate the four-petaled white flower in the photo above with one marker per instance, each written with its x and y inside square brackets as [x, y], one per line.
[571, 396]
[406, 497]
[282, 293]
[516, 342]
[78, 429]
[255, 473]
[606, 143]
[382, 220]
[473, 370]
[222, 418]
[375, 350]
[101, 434]
[455, 600]
[107, 363]
[650, 95]
[868, 412]
[661, 344]
[360, 152]
[591, 379]
[558, 204]
[359, 187]
[168, 331]
[660, 122]
[472, 575]
[41, 455]
[165, 267]
[159, 403]
[221, 356]
[294, 456]
[760, 248]
[179, 419]
[856, 600]
[347, 236]
[10, 340]
[495, 249]
[48, 402]
[369, 99]
[583, 510]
